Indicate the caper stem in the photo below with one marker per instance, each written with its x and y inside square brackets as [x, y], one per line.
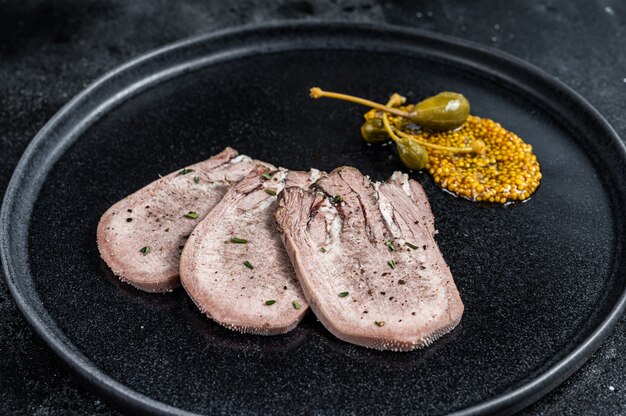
[317, 92]
[404, 135]
[390, 132]
[435, 146]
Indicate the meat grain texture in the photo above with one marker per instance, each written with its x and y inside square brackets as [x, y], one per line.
[367, 261]
[234, 265]
[141, 237]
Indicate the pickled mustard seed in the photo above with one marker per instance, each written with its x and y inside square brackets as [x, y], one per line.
[379, 323]
[267, 175]
[270, 191]
[296, 304]
[270, 302]
[248, 265]
[238, 240]
[191, 214]
[145, 250]
[409, 245]
[185, 171]
[343, 294]
[506, 170]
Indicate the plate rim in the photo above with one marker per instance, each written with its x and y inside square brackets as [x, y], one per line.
[54, 338]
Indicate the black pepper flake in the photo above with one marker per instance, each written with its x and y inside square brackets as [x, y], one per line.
[424, 247]
[401, 282]
[129, 219]
[129, 210]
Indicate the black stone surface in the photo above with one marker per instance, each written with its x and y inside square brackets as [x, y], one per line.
[50, 51]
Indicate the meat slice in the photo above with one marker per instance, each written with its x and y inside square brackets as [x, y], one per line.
[367, 262]
[141, 236]
[234, 265]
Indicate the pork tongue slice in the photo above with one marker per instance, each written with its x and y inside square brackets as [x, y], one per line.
[234, 265]
[141, 236]
[367, 261]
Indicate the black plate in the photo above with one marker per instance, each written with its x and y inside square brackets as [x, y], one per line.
[543, 282]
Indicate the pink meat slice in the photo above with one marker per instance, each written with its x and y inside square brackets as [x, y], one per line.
[366, 259]
[141, 237]
[246, 286]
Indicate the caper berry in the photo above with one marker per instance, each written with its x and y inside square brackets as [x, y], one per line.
[444, 111]
[412, 154]
[373, 131]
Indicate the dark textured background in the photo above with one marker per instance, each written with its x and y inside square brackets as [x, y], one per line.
[50, 50]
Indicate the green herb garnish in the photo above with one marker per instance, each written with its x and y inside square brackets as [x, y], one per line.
[270, 191]
[323, 250]
[392, 264]
[267, 175]
[270, 302]
[185, 171]
[191, 214]
[413, 246]
[238, 240]
[379, 323]
[389, 245]
[196, 179]
[248, 265]
[336, 199]
[145, 250]
[295, 304]
[343, 294]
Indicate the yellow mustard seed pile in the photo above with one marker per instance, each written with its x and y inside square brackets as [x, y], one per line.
[506, 171]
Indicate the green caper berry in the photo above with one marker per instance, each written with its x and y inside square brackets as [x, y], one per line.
[412, 154]
[444, 111]
[373, 131]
